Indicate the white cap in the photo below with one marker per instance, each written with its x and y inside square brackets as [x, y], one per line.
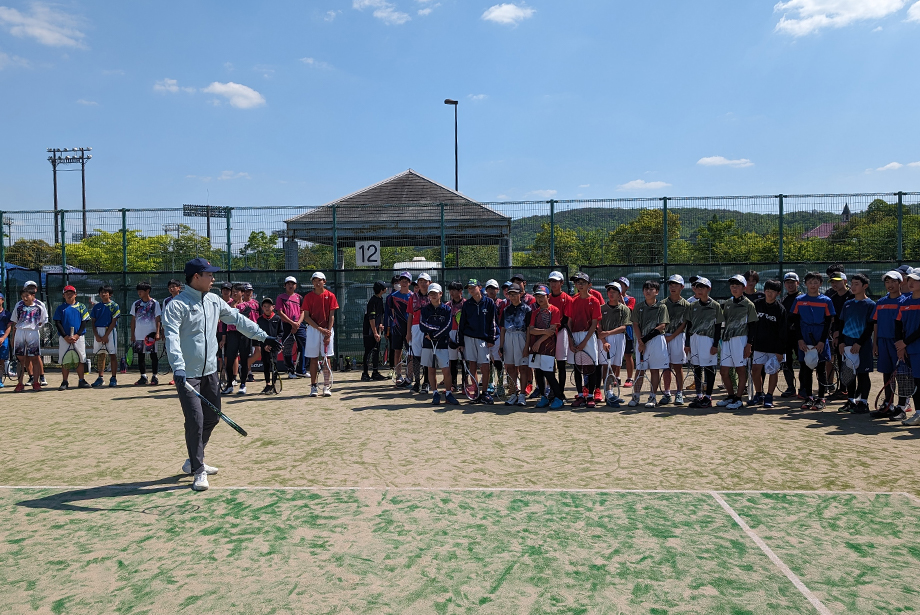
[423, 276]
[557, 275]
[491, 283]
[318, 274]
[792, 275]
[676, 278]
[894, 275]
[838, 276]
[434, 288]
[914, 275]
[290, 278]
[738, 278]
[615, 285]
[701, 281]
[28, 284]
[811, 357]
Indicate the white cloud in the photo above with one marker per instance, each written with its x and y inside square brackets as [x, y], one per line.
[8, 60]
[231, 175]
[229, 66]
[239, 95]
[383, 10]
[913, 13]
[203, 178]
[508, 14]
[878, 29]
[428, 9]
[813, 15]
[45, 24]
[330, 15]
[722, 161]
[171, 86]
[316, 63]
[543, 194]
[584, 185]
[641, 184]
[502, 197]
[89, 103]
[477, 97]
[891, 166]
[914, 164]
[267, 71]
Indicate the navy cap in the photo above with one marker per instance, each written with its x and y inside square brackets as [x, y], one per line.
[227, 285]
[904, 269]
[199, 265]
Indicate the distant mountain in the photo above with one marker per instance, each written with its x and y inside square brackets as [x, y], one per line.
[524, 230]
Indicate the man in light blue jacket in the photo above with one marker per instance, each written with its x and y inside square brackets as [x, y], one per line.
[190, 321]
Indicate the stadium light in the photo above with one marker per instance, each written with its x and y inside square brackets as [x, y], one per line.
[56, 158]
[455, 104]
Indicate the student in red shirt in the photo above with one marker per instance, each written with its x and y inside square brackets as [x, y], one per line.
[414, 336]
[560, 300]
[584, 315]
[319, 308]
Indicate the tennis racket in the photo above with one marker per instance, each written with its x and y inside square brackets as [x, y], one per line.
[165, 368]
[402, 368]
[12, 369]
[470, 383]
[326, 366]
[222, 416]
[641, 382]
[611, 382]
[847, 371]
[71, 358]
[906, 383]
[276, 382]
[750, 379]
[129, 355]
[585, 363]
[831, 378]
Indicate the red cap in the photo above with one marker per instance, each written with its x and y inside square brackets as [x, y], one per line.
[66, 288]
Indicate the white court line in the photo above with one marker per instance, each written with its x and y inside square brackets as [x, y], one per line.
[911, 497]
[773, 557]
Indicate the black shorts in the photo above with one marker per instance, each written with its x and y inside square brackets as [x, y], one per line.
[630, 347]
[397, 339]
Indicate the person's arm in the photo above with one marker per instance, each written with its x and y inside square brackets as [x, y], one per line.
[172, 319]
[59, 325]
[6, 332]
[331, 320]
[133, 323]
[866, 335]
[156, 334]
[491, 328]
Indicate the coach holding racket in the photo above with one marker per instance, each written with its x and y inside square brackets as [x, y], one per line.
[190, 321]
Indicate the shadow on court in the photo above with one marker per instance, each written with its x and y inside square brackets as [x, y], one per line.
[66, 500]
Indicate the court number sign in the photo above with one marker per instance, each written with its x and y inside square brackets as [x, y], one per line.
[367, 253]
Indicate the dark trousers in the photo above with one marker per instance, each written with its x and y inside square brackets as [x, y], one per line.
[287, 350]
[154, 363]
[371, 353]
[238, 345]
[200, 420]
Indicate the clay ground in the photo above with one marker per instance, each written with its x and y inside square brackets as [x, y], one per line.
[96, 517]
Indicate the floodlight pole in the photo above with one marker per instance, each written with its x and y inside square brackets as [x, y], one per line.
[455, 104]
[57, 158]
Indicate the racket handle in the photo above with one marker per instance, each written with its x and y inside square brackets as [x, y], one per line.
[188, 385]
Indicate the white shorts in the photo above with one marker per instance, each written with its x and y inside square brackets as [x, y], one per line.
[676, 350]
[542, 362]
[562, 345]
[313, 349]
[590, 347]
[110, 347]
[733, 352]
[27, 343]
[79, 346]
[514, 352]
[429, 355]
[475, 350]
[454, 353]
[417, 340]
[700, 355]
[656, 354]
[617, 349]
[761, 358]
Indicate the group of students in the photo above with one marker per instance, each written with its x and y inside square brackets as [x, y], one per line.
[534, 337]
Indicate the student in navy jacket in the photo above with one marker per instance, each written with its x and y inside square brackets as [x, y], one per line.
[476, 334]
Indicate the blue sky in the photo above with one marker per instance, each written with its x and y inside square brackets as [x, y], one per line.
[298, 103]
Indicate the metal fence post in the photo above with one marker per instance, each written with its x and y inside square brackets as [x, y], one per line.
[664, 228]
[552, 233]
[124, 273]
[443, 235]
[229, 244]
[2, 256]
[780, 237]
[900, 227]
[63, 249]
[335, 240]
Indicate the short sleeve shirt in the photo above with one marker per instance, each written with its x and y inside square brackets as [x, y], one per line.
[105, 313]
[416, 302]
[909, 315]
[886, 313]
[4, 320]
[320, 307]
[249, 309]
[649, 316]
[677, 312]
[29, 317]
[145, 315]
[548, 346]
[455, 314]
[704, 317]
[855, 318]
[582, 311]
[373, 312]
[812, 312]
[737, 316]
[71, 316]
[516, 317]
[614, 316]
[289, 305]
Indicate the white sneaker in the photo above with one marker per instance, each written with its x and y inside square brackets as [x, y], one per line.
[187, 468]
[633, 402]
[679, 399]
[201, 481]
[723, 402]
[327, 391]
[313, 391]
[242, 390]
[292, 376]
[512, 400]
[913, 420]
[228, 390]
[735, 404]
[522, 400]
[651, 403]
[900, 416]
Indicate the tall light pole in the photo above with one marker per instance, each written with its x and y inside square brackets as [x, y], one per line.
[61, 156]
[456, 160]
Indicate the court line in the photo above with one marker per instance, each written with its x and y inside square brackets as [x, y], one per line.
[911, 497]
[773, 557]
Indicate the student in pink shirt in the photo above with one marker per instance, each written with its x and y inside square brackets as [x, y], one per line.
[293, 328]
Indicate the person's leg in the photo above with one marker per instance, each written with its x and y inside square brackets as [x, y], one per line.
[698, 380]
[154, 364]
[369, 343]
[550, 378]
[742, 379]
[448, 379]
[301, 337]
[709, 374]
[484, 381]
[727, 381]
[287, 347]
[805, 378]
[864, 386]
[788, 371]
[757, 375]
[655, 380]
[540, 378]
[773, 380]
[561, 370]
[822, 379]
[432, 377]
[231, 350]
[245, 350]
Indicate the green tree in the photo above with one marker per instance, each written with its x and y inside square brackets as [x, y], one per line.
[640, 241]
[33, 253]
[103, 252]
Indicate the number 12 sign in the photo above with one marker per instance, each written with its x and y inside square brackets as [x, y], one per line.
[367, 253]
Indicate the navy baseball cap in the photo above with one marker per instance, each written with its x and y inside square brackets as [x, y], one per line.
[199, 265]
[227, 285]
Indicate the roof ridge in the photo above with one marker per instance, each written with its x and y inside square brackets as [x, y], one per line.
[397, 176]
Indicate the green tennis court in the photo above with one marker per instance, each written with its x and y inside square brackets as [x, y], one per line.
[154, 547]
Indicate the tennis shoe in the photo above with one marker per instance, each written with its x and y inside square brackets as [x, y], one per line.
[451, 399]
[313, 390]
[36, 386]
[897, 414]
[679, 399]
[242, 390]
[544, 402]
[436, 399]
[633, 402]
[665, 399]
[19, 388]
[536, 394]
[228, 390]
[490, 389]
[98, 382]
[250, 378]
[327, 391]
[187, 468]
[768, 401]
[42, 381]
[695, 403]
[590, 402]
[154, 381]
[861, 407]
[598, 396]
[64, 386]
[735, 404]
[557, 403]
[522, 400]
[578, 402]
[757, 400]
[651, 402]
[292, 376]
[29, 382]
[819, 404]
[425, 389]
[201, 480]
[485, 398]
[378, 376]
[512, 400]
[722, 403]
[628, 383]
[846, 407]
[914, 419]
[141, 382]
[268, 390]
[808, 404]
[113, 382]
[365, 377]
[705, 402]
[787, 393]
